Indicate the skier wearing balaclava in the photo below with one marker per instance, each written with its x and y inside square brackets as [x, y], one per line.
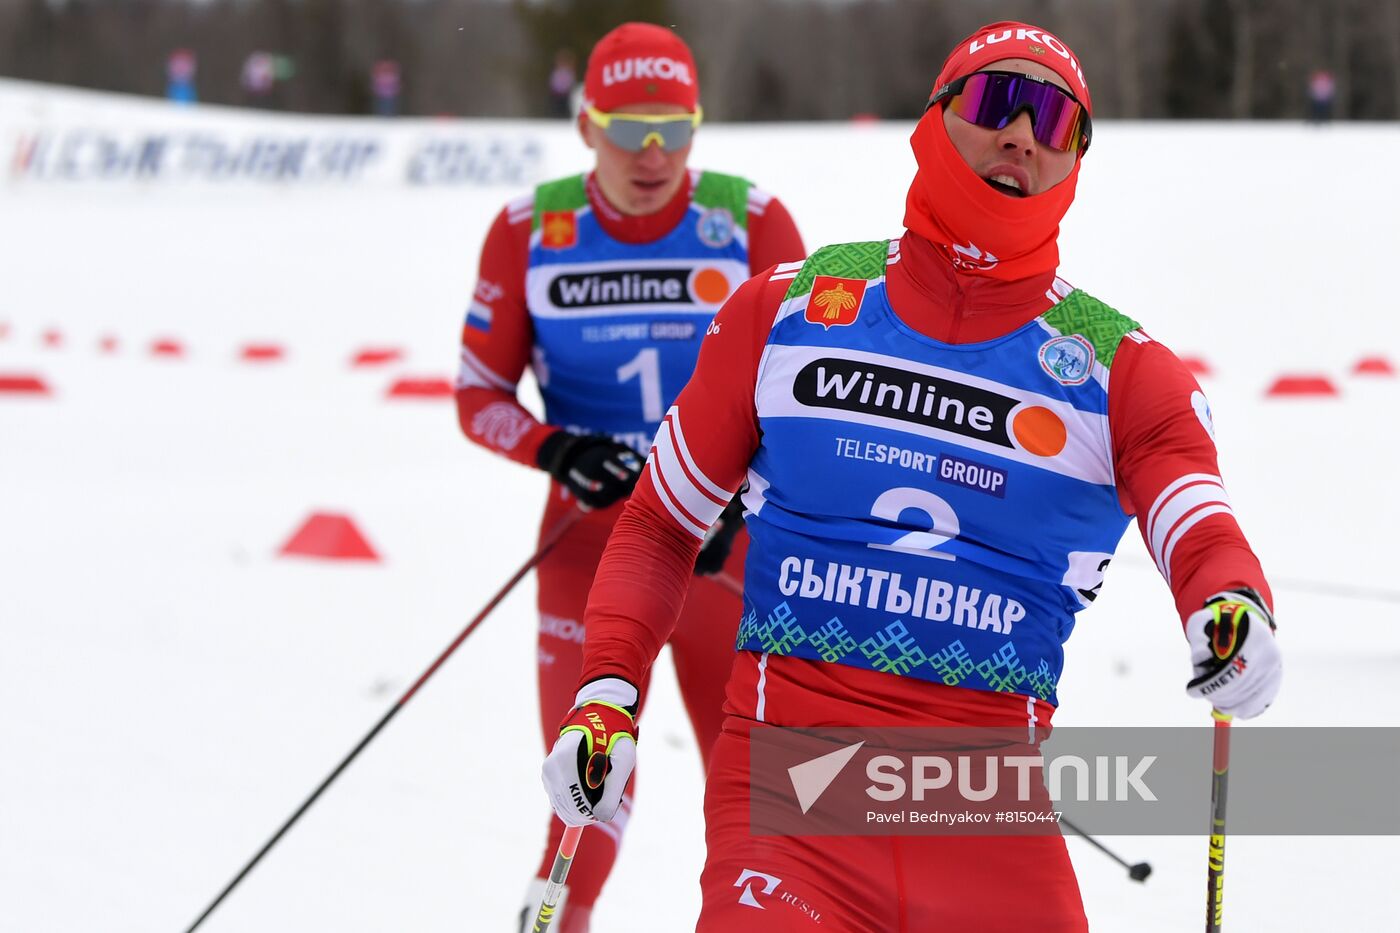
[943, 442]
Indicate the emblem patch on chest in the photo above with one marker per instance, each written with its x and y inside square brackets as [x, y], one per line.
[558, 229]
[715, 228]
[835, 302]
[1069, 360]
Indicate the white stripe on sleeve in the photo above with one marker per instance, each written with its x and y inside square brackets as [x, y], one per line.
[720, 494]
[1215, 508]
[520, 208]
[1191, 498]
[474, 374]
[682, 519]
[701, 509]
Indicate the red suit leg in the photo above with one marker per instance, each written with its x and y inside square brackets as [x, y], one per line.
[871, 884]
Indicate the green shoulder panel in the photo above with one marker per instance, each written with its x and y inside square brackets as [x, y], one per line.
[727, 191]
[564, 194]
[843, 260]
[1083, 314]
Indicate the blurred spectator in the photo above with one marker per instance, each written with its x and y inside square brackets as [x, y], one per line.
[179, 74]
[264, 77]
[259, 76]
[385, 84]
[561, 83]
[1322, 90]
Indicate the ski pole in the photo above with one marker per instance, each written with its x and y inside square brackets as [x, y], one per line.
[558, 873]
[1215, 857]
[727, 582]
[1138, 872]
[546, 545]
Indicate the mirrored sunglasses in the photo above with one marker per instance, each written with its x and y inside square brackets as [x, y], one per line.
[635, 131]
[992, 99]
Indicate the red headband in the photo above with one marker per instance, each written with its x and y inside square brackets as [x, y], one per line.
[639, 63]
[1016, 40]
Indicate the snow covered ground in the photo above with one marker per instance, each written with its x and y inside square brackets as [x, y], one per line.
[172, 689]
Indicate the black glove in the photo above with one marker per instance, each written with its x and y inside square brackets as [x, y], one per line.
[719, 540]
[594, 467]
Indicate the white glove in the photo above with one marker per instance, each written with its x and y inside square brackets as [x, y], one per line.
[587, 770]
[1235, 656]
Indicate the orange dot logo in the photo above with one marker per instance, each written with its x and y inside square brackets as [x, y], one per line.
[1039, 431]
[710, 287]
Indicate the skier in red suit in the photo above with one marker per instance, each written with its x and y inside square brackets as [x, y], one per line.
[1048, 422]
[605, 284]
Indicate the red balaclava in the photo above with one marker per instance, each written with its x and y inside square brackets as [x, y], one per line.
[639, 63]
[982, 231]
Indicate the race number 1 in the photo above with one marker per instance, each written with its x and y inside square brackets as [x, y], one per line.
[646, 367]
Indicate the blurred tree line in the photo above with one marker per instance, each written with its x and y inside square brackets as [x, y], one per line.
[758, 59]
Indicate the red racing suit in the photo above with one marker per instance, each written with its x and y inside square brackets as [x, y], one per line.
[490, 415]
[1160, 436]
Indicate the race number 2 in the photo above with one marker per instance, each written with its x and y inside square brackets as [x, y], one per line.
[942, 520]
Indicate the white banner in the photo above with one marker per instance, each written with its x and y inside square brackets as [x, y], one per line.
[53, 135]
